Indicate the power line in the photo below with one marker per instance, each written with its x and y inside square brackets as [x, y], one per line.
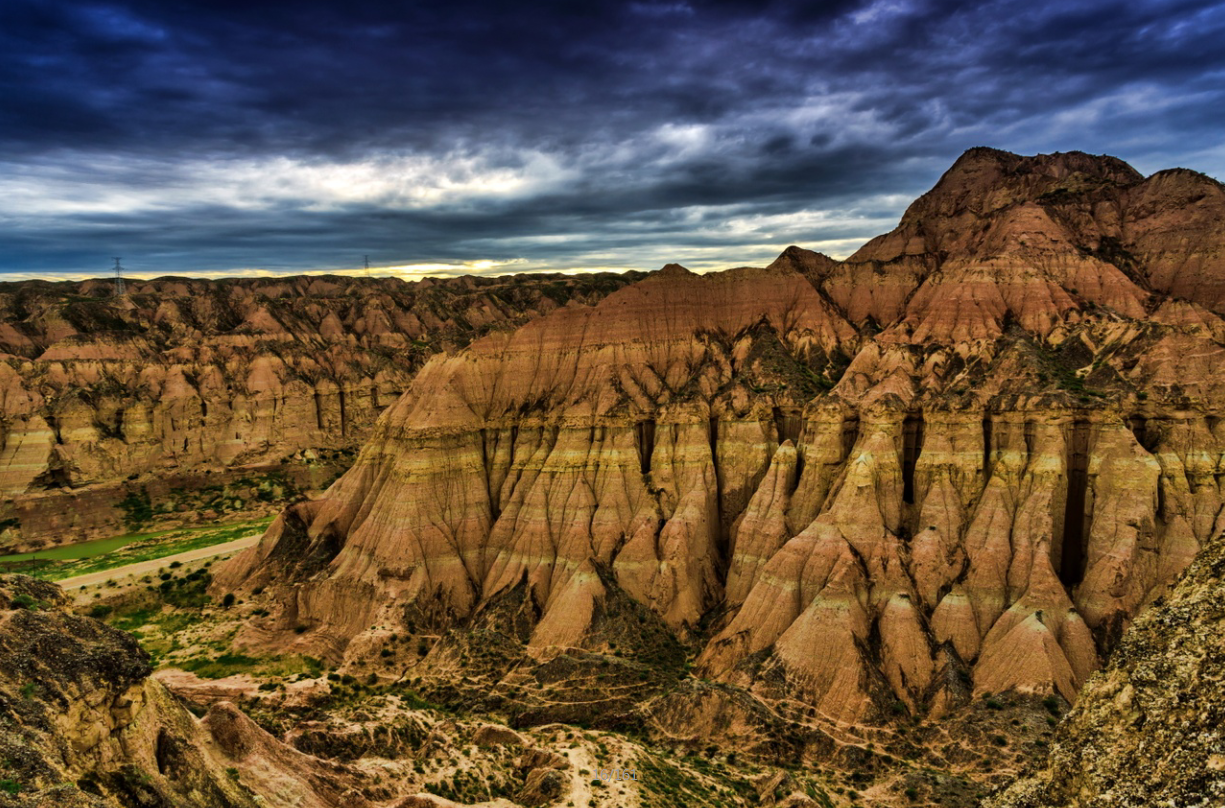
[120, 291]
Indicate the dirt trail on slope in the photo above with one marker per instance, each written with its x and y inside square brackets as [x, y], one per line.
[154, 564]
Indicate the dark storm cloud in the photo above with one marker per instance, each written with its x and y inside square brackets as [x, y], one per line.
[217, 135]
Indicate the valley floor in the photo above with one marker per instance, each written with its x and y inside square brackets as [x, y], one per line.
[142, 567]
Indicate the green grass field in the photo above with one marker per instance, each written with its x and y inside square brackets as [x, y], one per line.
[119, 551]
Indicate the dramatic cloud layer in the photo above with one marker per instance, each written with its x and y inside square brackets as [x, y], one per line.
[483, 136]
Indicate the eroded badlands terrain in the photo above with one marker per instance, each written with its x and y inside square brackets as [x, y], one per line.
[867, 526]
[196, 398]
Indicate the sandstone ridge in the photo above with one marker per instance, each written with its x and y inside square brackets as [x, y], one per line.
[957, 463]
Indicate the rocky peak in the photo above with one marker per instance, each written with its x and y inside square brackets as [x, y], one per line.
[806, 262]
[984, 181]
[672, 271]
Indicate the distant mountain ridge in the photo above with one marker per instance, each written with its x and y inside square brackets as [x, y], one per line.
[105, 400]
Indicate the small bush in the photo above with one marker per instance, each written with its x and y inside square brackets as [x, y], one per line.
[228, 600]
[24, 601]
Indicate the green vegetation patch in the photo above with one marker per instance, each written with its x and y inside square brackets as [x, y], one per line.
[663, 783]
[120, 551]
[230, 664]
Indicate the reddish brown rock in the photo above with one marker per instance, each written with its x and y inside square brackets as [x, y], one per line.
[962, 444]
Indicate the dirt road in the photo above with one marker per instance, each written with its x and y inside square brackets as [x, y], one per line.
[153, 565]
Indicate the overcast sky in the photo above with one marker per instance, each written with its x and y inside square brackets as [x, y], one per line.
[214, 136]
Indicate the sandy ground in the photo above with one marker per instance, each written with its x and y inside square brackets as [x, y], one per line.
[153, 565]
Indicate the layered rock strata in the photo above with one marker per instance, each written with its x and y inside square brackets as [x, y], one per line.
[969, 454]
[180, 376]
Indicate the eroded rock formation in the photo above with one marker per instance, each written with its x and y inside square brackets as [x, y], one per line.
[181, 376]
[1148, 730]
[85, 726]
[957, 463]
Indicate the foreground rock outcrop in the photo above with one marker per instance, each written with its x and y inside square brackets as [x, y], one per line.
[105, 402]
[958, 463]
[1148, 729]
[84, 725]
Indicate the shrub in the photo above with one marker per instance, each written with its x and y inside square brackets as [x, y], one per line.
[228, 600]
[28, 602]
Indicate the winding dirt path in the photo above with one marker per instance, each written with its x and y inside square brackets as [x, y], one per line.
[155, 564]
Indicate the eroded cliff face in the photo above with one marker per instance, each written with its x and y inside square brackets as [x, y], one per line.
[1147, 730]
[958, 463]
[85, 726]
[99, 394]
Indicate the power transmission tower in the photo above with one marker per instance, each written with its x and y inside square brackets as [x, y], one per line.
[120, 291]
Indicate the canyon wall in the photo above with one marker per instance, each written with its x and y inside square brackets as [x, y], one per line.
[956, 464]
[99, 395]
